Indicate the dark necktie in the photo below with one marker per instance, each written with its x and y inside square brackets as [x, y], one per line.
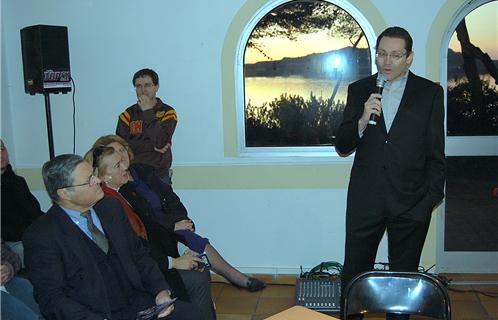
[97, 235]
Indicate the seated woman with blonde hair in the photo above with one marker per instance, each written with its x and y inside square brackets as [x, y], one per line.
[160, 209]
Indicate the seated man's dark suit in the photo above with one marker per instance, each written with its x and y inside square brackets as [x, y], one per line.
[70, 284]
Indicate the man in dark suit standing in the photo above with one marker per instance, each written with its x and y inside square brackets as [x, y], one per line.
[398, 174]
[82, 257]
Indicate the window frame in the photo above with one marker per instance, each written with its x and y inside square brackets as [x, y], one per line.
[266, 152]
[462, 145]
[461, 261]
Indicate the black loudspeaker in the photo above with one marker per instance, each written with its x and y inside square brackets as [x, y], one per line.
[45, 57]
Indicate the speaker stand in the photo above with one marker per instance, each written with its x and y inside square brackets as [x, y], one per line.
[49, 125]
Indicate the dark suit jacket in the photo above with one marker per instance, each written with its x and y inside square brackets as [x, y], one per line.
[173, 209]
[67, 282]
[19, 206]
[402, 171]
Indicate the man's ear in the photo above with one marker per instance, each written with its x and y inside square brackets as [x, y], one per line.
[409, 58]
[64, 194]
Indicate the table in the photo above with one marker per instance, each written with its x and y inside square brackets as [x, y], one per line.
[300, 313]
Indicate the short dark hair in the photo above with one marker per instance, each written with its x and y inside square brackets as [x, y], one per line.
[397, 32]
[146, 72]
[58, 173]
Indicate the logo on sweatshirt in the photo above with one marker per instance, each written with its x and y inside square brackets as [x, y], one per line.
[160, 114]
[136, 127]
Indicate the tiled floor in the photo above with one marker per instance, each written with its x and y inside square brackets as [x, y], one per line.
[235, 304]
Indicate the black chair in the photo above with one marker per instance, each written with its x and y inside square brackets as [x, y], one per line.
[413, 293]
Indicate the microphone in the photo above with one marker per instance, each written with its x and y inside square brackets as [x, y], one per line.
[379, 87]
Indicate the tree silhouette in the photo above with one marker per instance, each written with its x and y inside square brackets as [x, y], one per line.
[465, 118]
[305, 17]
[471, 54]
[293, 121]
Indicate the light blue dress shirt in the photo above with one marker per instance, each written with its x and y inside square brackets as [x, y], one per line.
[391, 98]
[81, 222]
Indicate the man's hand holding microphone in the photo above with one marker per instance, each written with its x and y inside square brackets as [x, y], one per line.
[373, 106]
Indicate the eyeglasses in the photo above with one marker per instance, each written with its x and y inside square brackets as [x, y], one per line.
[146, 86]
[395, 56]
[93, 180]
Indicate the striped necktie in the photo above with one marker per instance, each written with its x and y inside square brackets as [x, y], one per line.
[97, 235]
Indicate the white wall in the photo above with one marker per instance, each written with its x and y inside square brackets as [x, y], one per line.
[271, 231]
[260, 230]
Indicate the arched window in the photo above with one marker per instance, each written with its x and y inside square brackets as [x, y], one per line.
[298, 59]
[469, 55]
[472, 73]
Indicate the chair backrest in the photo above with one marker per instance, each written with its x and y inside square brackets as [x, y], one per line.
[397, 292]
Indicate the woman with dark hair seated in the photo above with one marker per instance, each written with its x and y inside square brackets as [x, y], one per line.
[161, 210]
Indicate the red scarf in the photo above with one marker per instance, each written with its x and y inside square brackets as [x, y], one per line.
[135, 221]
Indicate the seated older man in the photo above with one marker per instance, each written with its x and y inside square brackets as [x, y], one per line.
[83, 258]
